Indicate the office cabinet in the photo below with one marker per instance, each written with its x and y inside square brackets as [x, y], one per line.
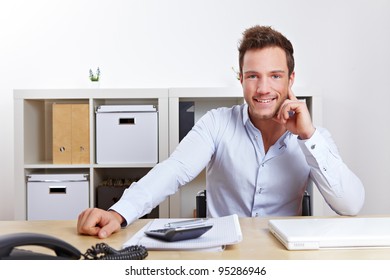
[38, 132]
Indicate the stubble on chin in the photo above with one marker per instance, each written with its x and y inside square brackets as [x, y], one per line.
[258, 114]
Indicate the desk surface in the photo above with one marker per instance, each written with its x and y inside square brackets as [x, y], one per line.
[257, 243]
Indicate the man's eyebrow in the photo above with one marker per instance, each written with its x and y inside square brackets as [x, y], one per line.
[272, 71]
[250, 71]
[278, 71]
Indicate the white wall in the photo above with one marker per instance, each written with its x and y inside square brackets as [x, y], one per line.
[342, 49]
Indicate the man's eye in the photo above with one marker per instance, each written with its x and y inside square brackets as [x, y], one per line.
[276, 76]
[251, 76]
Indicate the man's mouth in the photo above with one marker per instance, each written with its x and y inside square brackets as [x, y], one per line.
[264, 100]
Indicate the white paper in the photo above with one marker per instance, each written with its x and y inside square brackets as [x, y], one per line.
[225, 231]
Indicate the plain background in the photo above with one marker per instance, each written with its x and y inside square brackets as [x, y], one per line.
[342, 50]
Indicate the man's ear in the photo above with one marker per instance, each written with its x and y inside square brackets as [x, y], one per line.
[291, 80]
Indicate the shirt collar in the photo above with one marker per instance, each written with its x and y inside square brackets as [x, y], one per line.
[282, 142]
[245, 114]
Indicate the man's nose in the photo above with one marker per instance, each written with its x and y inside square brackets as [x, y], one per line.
[262, 86]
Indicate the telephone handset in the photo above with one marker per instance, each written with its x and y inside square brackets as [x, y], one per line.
[9, 249]
[10, 242]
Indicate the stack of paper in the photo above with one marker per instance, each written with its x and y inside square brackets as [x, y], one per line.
[225, 231]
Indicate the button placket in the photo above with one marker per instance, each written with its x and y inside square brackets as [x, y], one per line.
[256, 210]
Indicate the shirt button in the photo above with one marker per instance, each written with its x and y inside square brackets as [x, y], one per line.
[313, 146]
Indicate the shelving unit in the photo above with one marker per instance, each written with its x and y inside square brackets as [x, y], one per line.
[33, 136]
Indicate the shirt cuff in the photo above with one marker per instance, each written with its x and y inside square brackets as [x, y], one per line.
[125, 212]
[315, 148]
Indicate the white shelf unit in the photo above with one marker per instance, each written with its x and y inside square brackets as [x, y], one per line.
[33, 137]
[183, 203]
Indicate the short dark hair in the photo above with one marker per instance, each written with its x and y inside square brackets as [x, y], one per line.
[259, 37]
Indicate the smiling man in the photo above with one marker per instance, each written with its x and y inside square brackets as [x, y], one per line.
[267, 82]
[259, 156]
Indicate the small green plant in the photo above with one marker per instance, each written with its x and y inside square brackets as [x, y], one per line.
[94, 77]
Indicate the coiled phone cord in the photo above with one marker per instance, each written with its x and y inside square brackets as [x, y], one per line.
[102, 251]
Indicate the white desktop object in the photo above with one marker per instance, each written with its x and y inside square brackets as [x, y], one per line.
[225, 231]
[325, 233]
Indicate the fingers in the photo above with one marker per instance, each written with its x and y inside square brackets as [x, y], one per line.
[98, 222]
[289, 107]
[291, 95]
[295, 116]
[87, 222]
[90, 221]
[108, 229]
[288, 111]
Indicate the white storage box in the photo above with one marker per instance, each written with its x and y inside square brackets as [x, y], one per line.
[56, 196]
[126, 134]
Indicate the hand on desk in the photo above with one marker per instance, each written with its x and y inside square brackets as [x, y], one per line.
[94, 221]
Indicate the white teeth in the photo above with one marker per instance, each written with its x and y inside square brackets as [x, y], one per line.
[264, 100]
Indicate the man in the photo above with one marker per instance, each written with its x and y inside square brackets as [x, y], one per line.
[259, 155]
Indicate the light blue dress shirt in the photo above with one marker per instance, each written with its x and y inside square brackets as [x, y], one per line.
[241, 178]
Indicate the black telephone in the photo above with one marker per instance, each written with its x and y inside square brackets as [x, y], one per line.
[10, 242]
[9, 249]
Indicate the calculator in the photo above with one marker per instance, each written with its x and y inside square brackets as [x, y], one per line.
[179, 233]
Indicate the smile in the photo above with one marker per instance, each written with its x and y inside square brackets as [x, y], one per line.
[264, 101]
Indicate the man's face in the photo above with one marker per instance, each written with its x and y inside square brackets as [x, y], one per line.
[265, 81]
